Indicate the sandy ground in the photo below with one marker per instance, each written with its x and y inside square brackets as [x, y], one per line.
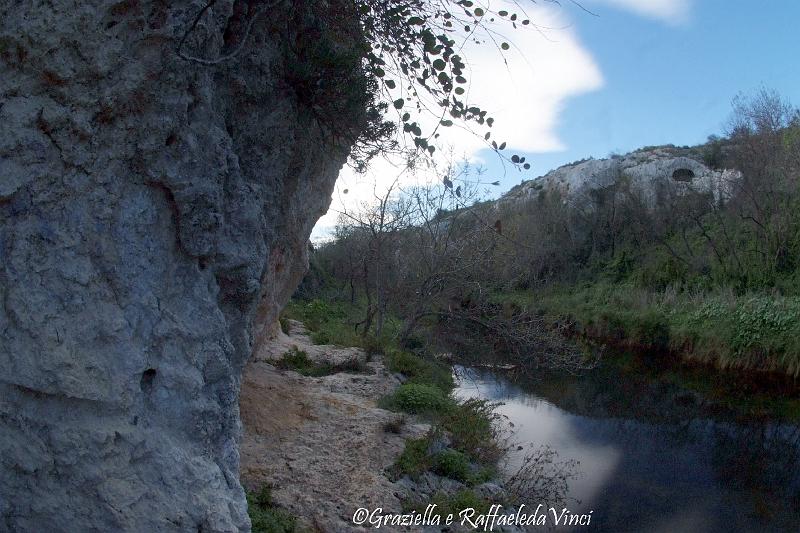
[320, 442]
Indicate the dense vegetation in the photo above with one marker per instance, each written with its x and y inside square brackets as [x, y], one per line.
[709, 276]
[712, 280]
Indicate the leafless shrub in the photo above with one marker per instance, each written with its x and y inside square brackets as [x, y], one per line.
[542, 477]
[527, 339]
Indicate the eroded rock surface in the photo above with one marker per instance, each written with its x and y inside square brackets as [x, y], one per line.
[654, 175]
[152, 211]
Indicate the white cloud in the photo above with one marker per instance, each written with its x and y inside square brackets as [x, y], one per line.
[546, 66]
[671, 11]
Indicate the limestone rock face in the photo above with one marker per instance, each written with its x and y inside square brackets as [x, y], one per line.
[652, 174]
[154, 212]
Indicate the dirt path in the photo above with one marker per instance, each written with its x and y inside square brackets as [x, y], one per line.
[319, 442]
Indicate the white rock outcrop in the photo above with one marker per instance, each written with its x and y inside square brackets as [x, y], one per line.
[652, 174]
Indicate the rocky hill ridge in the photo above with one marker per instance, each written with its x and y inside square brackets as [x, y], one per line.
[651, 172]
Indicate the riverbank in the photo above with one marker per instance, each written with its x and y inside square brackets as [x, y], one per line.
[329, 430]
[754, 333]
[319, 442]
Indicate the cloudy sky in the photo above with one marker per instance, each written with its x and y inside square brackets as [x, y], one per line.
[630, 73]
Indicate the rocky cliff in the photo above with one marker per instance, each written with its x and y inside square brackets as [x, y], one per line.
[651, 173]
[160, 172]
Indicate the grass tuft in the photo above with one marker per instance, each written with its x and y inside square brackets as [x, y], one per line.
[298, 360]
[265, 516]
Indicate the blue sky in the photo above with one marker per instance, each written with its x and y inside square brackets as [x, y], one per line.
[636, 73]
[670, 80]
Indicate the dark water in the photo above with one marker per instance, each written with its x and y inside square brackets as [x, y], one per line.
[652, 457]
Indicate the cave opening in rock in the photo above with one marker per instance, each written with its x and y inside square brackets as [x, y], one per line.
[148, 376]
[683, 174]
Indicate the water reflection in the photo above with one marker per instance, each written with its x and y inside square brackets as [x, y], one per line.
[652, 459]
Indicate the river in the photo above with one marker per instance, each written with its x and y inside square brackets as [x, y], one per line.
[650, 457]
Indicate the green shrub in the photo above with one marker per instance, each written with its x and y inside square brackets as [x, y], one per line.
[265, 517]
[419, 370]
[297, 360]
[452, 464]
[418, 398]
[414, 460]
[320, 337]
[403, 362]
[473, 428]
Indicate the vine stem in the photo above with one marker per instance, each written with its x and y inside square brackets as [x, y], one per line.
[210, 62]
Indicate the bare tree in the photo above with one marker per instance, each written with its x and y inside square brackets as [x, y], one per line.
[376, 225]
[765, 132]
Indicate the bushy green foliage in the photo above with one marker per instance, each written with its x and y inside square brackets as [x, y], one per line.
[473, 429]
[427, 389]
[265, 516]
[448, 462]
[419, 398]
[420, 370]
[752, 331]
[295, 359]
[453, 464]
[471, 426]
[332, 321]
[415, 458]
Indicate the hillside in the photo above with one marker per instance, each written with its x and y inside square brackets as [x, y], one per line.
[653, 172]
[692, 252]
